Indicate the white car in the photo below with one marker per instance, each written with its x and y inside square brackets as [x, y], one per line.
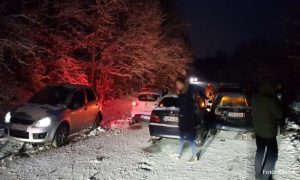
[53, 113]
[144, 105]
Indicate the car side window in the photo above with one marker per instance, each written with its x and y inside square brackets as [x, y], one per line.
[90, 95]
[78, 100]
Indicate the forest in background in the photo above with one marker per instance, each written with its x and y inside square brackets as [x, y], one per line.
[117, 46]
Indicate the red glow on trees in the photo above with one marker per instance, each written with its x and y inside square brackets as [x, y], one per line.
[115, 45]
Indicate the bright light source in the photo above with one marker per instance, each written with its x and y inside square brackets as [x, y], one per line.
[193, 79]
[134, 103]
[7, 118]
[202, 105]
[44, 122]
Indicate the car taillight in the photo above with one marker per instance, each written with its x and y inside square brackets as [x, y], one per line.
[217, 112]
[134, 103]
[154, 119]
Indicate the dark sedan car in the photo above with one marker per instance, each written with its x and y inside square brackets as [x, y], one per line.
[164, 118]
[231, 111]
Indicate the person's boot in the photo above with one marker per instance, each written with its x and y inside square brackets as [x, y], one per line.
[258, 176]
[175, 156]
[192, 160]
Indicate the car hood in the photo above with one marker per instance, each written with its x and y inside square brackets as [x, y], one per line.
[36, 111]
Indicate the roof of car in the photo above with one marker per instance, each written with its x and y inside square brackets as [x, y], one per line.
[150, 92]
[231, 94]
[171, 95]
[232, 85]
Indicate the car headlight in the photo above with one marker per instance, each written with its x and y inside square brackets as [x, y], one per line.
[45, 122]
[7, 118]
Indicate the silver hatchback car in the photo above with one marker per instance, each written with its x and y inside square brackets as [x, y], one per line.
[53, 113]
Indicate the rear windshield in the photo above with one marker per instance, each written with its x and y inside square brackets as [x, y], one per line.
[232, 101]
[169, 102]
[148, 97]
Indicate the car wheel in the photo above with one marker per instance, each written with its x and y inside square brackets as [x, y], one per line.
[61, 136]
[97, 121]
[213, 131]
[155, 139]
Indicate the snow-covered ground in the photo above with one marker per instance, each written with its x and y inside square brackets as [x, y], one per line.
[127, 154]
[124, 152]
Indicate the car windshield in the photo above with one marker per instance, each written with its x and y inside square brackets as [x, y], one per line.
[232, 101]
[169, 102]
[148, 97]
[53, 95]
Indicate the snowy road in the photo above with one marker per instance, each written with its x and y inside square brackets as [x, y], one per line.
[127, 154]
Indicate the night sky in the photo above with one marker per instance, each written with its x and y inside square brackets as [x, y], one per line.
[221, 25]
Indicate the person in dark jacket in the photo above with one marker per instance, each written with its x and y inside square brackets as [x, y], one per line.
[186, 123]
[266, 114]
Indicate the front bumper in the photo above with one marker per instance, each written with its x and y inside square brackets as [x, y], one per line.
[31, 134]
[164, 130]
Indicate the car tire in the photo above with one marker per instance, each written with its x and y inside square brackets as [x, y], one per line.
[155, 139]
[97, 121]
[61, 135]
[200, 134]
[213, 131]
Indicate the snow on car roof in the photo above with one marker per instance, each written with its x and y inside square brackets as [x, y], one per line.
[173, 108]
[231, 94]
[171, 95]
[150, 92]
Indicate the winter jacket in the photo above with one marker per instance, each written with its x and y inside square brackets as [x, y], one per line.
[266, 111]
[186, 104]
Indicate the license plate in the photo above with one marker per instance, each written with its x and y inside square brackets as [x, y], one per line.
[19, 127]
[236, 115]
[145, 117]
[171, 118]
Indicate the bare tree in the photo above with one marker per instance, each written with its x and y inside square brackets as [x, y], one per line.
[114, 45]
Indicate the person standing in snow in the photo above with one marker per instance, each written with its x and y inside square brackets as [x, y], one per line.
[266, 113]
[186, 123]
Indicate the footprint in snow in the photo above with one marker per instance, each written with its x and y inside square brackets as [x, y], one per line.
[145, 166]
[100, 158]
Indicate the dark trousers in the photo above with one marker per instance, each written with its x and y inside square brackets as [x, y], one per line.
[266, 157]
